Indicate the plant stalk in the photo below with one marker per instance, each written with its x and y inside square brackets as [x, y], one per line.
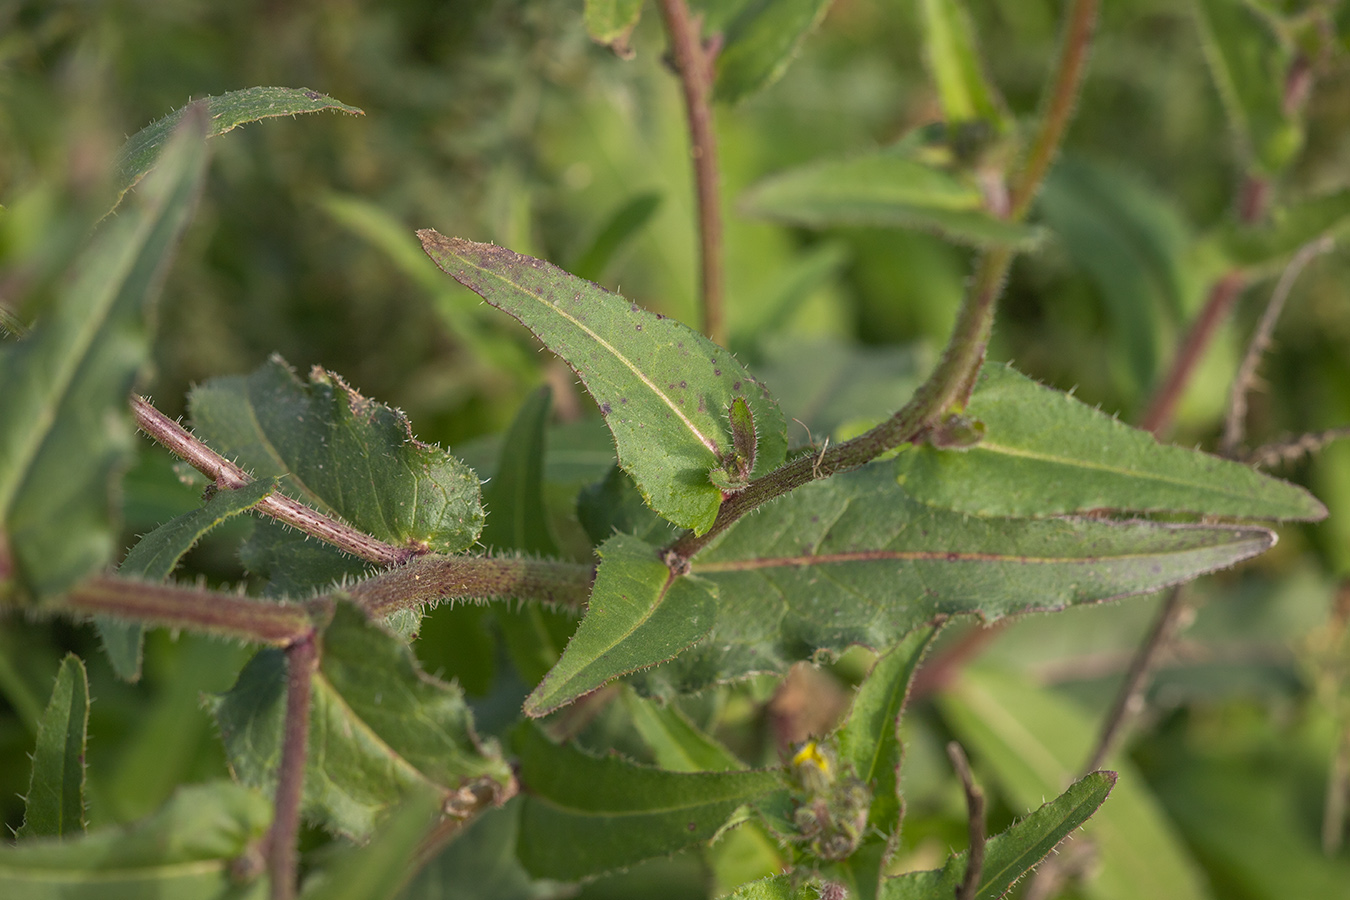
[428, 580]
[694, 65]
[283, 856]
[226, 475]
[951, 382]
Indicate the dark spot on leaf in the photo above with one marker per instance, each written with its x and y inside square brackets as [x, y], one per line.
[659, 317]
[623, 400]
[684, 384]
[639, 328]
[693, 826]
[953, 557]
[736, 386]
[717, 371]
[605, 408]
[633, 307]
[313, 95]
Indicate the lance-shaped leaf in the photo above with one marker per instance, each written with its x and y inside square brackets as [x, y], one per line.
[954, 60]
[885, 188]
[374, 871]
[869, 739]
[191, 848]
[224, 113]
[343, 454]
[156, 555]
[54, 806]
[482, 862]
[583, 816]
[639, 615]
[1010, 855]
[760, 42]
[1250, 64]
[380, 728]
[1044, 453]
[663, 389]
[64, 424]
[854, 560]
[677, 743]
[1032, 742]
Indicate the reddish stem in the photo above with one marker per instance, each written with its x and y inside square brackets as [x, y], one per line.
[226, 475]
[693, 63]
[1163, 406]
[283, 858]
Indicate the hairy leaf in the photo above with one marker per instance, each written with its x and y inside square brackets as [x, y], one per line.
[954, 59]
[663, 388]
[854, 560]
[54, 806]
[1010, 855]
[869, 739]
[141, 152]
[189, 850]
[885, 188]
[583, 816]
[64, 424]
[156, 555]
[1032, 742]
[1044, 453]
[639, 615]
[341, 453]
[779, 887]
[759, 44]
[380, 728]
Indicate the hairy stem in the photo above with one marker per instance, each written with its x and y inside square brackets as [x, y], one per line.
[177, 606]
[283, 856]
[970, 883]
[430, 579]
[693, 63]
[1295, 448]
[226, 475]
[1235, 420]
[951, 382]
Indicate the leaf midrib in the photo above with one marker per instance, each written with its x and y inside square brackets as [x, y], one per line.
[620, 357]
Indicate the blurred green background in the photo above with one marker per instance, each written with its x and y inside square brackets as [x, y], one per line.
[501, 121]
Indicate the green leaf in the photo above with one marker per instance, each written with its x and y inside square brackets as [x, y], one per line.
[663, 388]
[516, 518]
[375, 871]
[611, 22]
[759, 44]
[954, 60]
[1033, 742]
[343, 454]
[886, 188]
[141, 152]
[1249, 64]
[677, 743]
[1012, 854]
[639, 615]
[869, 739]
[1131, 243]
[189, 850]
[1270, 244]
[854, 560]
[380, 729]
[481, 864]
[779, 887]
[583, 816]
[54, 806]
[156, 555]
[64, 425]
[1044, 453]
